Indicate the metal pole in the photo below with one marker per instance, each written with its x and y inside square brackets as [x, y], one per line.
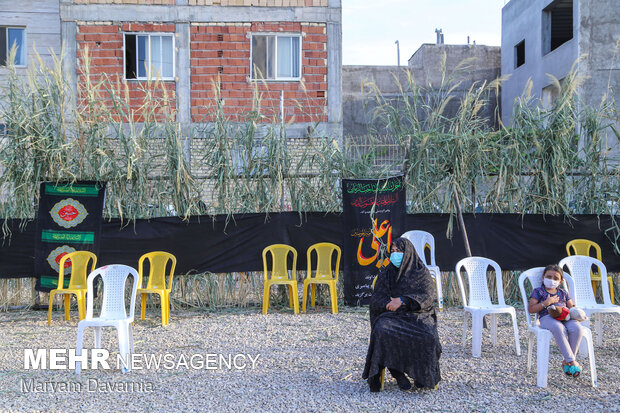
[397, 52]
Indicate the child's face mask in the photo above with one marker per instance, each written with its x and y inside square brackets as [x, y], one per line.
[549, 283]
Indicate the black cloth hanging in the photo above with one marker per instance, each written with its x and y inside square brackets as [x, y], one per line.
[406, 339]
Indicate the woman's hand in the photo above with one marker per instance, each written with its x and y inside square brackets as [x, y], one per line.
[394, 304]
[552, 299]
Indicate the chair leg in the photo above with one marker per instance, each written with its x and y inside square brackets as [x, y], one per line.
[49, 307]
[81, 301]
[588, 339]
[67, 299]
[78, 348]
[123, 347]
[295, 297]
[167, 306]
[304, 296]
[97, 337]
[439, 290]
[493, 318]
[313, 295]
[333, 293]
[515, 328]
[162, 302]
[143, 306]
[130, 335]
[266, 298]
[611, 289]
[542, 359]
[290, 296]
[530, 341]
[476, 341]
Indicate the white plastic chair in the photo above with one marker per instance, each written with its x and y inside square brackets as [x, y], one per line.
[113, 312]
[421, 240]
[480, 301]
[543, 337]
[579, 267]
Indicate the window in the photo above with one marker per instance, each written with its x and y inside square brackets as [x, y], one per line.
[276, 57]
[551, 93]
[13, 37]
[557, 24]
[520, 54]
[149, 55]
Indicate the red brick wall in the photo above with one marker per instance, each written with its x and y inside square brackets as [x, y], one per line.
[230, 68]
[105, 48]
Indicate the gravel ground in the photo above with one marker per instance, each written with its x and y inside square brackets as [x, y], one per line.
[309, 362]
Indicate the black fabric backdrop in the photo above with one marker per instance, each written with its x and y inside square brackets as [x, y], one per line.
[201, 244]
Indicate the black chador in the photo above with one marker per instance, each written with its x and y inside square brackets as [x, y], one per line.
[405, 340]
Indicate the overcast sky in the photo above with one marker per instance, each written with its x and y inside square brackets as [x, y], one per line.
[370, 27]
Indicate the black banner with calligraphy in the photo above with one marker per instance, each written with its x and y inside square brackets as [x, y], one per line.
[373, 211]
[69, 219]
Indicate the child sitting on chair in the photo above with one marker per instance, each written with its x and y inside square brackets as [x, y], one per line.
[567, 334]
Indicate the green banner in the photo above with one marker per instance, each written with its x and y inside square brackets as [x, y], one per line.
[73, 237]
[78, 190]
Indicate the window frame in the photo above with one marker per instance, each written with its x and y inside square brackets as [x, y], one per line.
[149, 75]
[548, 24]
[8, 47]
[276, 35]
[516, 54]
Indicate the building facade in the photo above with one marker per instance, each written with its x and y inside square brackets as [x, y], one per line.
[546, 37]
[206, 53]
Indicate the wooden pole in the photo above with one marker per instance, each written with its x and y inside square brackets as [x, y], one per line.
[459, 213]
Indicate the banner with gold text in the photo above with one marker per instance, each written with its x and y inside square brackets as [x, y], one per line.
[373, 214]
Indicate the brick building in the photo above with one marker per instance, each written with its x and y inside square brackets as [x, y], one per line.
[206, 53]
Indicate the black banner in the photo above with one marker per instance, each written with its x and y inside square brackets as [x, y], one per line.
[234, 243]
[373, 212]
[69, 219]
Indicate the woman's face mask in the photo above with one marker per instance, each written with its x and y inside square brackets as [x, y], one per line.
[396, 258]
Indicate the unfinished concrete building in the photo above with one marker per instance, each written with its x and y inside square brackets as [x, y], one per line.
[289, 49]
[430, 66]
[546, 37]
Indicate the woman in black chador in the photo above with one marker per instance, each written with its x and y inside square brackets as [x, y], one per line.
[403, 323]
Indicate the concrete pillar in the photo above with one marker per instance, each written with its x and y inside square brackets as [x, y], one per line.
[183, 82]
[334, 70]
[68, 32]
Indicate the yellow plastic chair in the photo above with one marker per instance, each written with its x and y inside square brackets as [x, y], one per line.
[583, 247]
[77, 282]
[324, 274]
[279, 274]
[158, 260]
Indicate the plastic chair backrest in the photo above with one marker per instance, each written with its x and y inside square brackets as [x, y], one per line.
[79, 269]
[534, 276]
[324, 252]
[476, 270]
[158, 260]
[583, 247]
[422, 240]
[279, 269]
[113, 303]
[579, 267]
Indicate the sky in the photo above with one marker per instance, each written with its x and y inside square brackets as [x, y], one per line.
[371, 27]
